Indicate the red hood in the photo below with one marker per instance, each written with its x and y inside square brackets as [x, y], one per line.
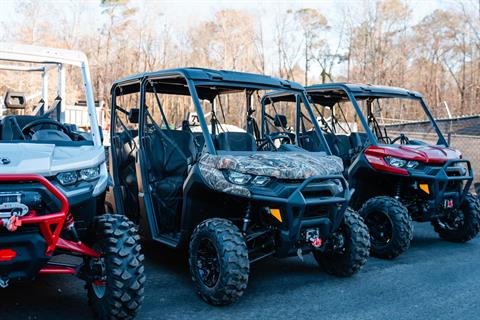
[422, 153]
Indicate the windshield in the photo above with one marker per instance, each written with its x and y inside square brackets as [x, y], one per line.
[396, 120]
[392, 120]
[289, 120]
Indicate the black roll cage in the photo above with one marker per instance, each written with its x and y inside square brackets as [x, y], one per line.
[190, 88]
[298, 99]
[366, 92]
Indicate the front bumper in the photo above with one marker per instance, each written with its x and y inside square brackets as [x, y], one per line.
[83, 204]
[38, 236]
[312, 204]
[445, 183]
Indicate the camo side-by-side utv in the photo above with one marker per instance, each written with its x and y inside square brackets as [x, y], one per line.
[52, 189]
[230, 198]
[396, 176]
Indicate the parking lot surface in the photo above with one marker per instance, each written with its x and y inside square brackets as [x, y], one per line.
[433, 280]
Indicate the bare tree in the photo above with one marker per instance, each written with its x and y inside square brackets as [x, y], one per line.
[312, 23]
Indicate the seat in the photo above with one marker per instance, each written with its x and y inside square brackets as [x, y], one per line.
[310, 141]
[170, 151]
[199, 140]
[236, 141]
[54, 111]
[124, 149]
[332, 143]
[169, 154]
[39, 109]
[344, 147]
[10, 131]
[340, 146]
[357, 140]
[127, 155]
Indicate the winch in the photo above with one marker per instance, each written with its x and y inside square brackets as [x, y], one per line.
[14, 205]
[31, 199]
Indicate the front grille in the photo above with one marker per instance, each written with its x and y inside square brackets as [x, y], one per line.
[292, 181]
[316, 211]
[324, 189]
[456, 171]
[317, 193]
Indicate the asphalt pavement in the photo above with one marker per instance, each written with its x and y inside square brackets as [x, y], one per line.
[433, 280]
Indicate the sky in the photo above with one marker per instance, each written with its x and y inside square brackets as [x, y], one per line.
[184, 12]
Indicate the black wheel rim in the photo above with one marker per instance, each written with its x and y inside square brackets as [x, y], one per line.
[455, 220]
[380, 228]
[208, 264]
[340, 242]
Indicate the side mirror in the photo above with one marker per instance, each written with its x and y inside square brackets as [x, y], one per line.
[133, 115]
[15, 100]
[280, 120]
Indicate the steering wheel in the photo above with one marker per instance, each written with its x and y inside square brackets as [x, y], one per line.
[270, 140]
[403, 139]
[27, 129]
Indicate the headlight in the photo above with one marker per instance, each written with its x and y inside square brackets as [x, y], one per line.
[401, 163]
[238, 177]
[412, 164]
[89, 173]
[67, 178]
[71, 177]
[261, 180]
[396, 162]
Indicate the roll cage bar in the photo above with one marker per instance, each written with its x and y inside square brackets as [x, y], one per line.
[298, 98]
[201, 84]
[45, 59]
[333, 93]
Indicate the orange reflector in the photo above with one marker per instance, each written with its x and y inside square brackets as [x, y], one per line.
[276, 214]
[7, 255]
[424, 187]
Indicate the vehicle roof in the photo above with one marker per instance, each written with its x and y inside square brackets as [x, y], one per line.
[331, 93]
[202, 74]
[365, 89]
[42, 55]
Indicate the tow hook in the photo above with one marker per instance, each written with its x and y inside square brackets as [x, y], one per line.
[317, 242]
[312, 236]
[12, 223]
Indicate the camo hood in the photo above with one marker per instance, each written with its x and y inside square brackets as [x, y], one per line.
[282, 165]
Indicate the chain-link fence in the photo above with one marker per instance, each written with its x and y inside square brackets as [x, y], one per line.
[463, 133]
